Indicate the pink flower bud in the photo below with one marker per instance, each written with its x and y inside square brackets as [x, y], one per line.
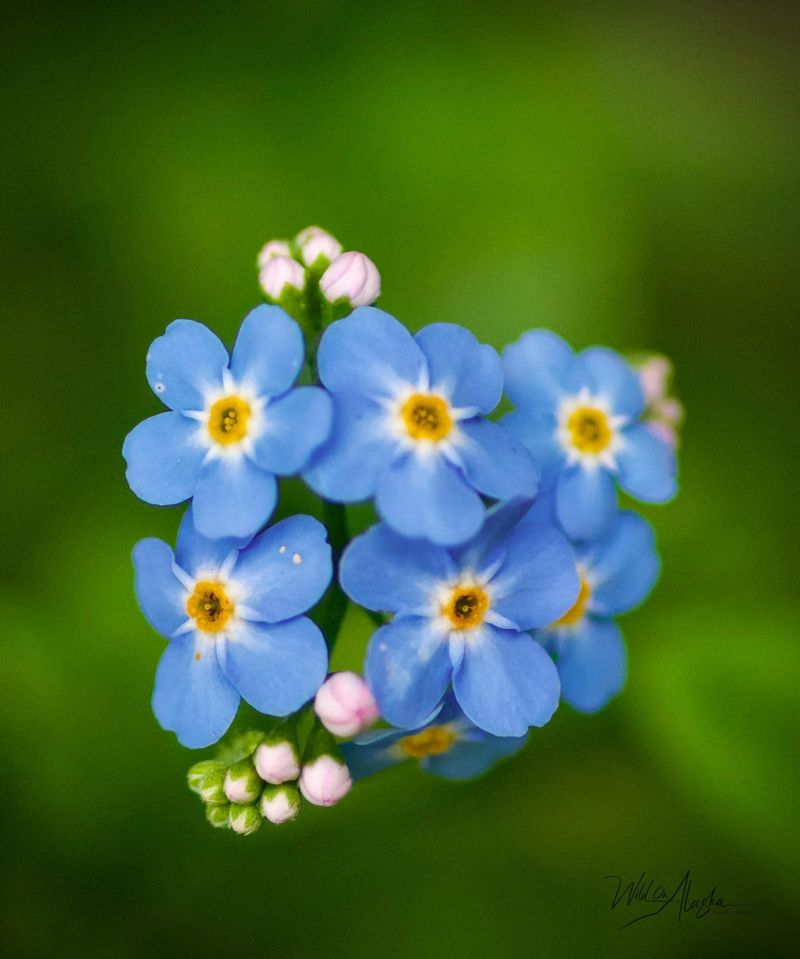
[352, 276]
[664, 432]
[280, 272]
[277, 762]
[325, 781]
[314, 242]
[654, 374]
[280, 804]
[345, 705]
[271, 249]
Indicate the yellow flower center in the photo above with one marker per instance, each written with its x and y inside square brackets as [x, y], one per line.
[227, 421]
[209, 606]
[432, 741]
[589, 429]
[466, 607]
[426, 417]
[575, 614]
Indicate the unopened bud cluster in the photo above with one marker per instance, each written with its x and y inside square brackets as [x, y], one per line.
[313, 279]
[264, 777]
[663, 412]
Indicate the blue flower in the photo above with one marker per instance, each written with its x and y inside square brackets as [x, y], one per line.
[232, 427]
[409, 429]
[449, 746]
[580, 417]
[464, 615]
[233, 618]
[617, 572]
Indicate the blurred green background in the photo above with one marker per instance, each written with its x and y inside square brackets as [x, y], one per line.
[623, 173]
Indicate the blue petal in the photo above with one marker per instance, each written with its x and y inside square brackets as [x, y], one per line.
[609, 375]
[469, 373]
[163, 458]
[426, 497]
[647, 467]
[537, 433]
[276, 667]
[468, 759]
[540, 368]
[369, 352]
[346, 469]
[192, 697]
[495, 462]
[286, 569]
[489, 544]
[295, 425]
[543, 510]
[591, 663]
[158, 589]
[366, 759]
[200, 556]
[268, 353]
[233, 498]
[538, 581]
[184, 364]
[506, 682]
[383, 571]
[407, 668]
[586, 501]
[624, 566]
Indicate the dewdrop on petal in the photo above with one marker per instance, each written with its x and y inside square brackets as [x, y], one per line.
[324, 779]
[344, 704]
[242, 784]
[280, 804]
[352, 277]
[279, 273]
[244, 819]
[272, 249]
[314, 242]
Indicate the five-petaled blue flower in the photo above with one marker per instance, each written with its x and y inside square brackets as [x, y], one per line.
[617, 573]
[234, 623]
[409, 426]
[231, 427]
[463, 615]
[580, 417]
[449, 746]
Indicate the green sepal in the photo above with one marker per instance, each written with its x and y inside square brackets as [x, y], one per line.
[339, 309]
[239, 747]
[321, 743]
[218, 816]
[206, 779]
[244, 773]
[244, 819]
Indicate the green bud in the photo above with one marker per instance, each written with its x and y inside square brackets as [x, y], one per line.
[218, 815]
[244, 819]
[242, 783]
[206, 779]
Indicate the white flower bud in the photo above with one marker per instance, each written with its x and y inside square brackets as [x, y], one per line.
[353, 277]
[280, 804]
[325, 781]
[242, 784]
[314, 242]
[345, 705]
[277, 762]
[244, 819]
[278, 273]
[271, 249]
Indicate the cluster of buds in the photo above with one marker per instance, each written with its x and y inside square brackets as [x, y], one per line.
[663, 412]
[264, 777]
[312, 271]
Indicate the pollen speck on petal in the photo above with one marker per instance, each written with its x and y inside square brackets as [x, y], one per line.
[297, 559]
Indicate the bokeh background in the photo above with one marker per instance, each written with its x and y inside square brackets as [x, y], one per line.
[624, 173]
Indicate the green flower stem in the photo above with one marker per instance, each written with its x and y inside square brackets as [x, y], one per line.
[332, 610]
